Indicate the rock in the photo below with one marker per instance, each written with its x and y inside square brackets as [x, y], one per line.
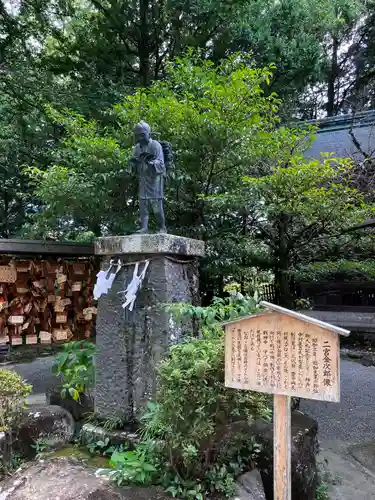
[354, 355]
[52, 425]
[250, 486]
[304, 450]
[77, 409]
[367, 361]
[68, 479]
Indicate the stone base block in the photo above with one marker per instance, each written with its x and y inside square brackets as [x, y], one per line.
[90, 433]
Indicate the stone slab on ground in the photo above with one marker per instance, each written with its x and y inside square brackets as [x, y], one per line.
[90, 432]
[37, 399]
[364, 453]
[347, 479]
[68, 479]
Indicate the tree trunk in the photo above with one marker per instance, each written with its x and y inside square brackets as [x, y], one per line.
[144, 49]
[332, 77]
[283, 264]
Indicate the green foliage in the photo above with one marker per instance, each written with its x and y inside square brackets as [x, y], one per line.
[209, 317]
[298, 209]
[76, 367]
[40, 446]
[130, 467]
[201, 109]
[13, 391]
[193, 407]
[325, 478]
[192, 411]
[322, 491]
[342, 269]
[102, 447]
[314, 195]
[194, 403]
[303, 304]
[86, 56]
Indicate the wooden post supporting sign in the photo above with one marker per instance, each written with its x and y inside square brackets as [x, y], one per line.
[287, 354]
[282, 447]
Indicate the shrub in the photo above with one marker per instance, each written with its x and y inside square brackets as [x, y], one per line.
[193, 412]
[193, 408]
[193, 403]
[76, 367]
[13, 391]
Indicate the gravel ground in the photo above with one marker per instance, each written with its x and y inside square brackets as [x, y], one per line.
[38, 373]
[353, 419]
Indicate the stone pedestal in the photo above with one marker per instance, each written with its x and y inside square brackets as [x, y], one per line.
[130, 344]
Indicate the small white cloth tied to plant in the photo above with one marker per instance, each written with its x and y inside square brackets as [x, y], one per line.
[103, 283]
[135, 285]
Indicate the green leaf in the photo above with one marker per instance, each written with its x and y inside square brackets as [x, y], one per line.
[74, 393]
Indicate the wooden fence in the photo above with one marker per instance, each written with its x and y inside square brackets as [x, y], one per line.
[270, 293]
[329, 295]
[340, 296]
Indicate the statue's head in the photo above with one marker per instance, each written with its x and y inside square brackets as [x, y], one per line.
[142, 132]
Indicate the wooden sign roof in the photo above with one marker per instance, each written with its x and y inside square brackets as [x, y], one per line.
[293, 314]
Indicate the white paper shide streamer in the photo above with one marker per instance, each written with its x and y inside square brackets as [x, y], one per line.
[135, 285]
[106, 278]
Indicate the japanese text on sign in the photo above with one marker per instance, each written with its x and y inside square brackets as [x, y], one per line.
[299, 362]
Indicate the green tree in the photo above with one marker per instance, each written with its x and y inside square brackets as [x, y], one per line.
[295, 209]
[213, 116]
[269, 207]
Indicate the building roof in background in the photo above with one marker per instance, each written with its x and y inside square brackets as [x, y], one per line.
[344, 122]
[364, 225]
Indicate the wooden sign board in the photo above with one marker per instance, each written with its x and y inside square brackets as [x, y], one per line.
[3, 305]
[287, 354]
[77, 286]
[61, 317]
[8, 274]
[31, 339]
[23, 266]
[61, 278]
[59, 306]
[279, 354]
[79, 268]
[59, 334]
[16, 340]
[15, 320]
[45, 337]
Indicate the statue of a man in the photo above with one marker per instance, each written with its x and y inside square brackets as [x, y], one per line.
[147, 162]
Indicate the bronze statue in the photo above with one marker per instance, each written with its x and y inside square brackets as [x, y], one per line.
[148, 164]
